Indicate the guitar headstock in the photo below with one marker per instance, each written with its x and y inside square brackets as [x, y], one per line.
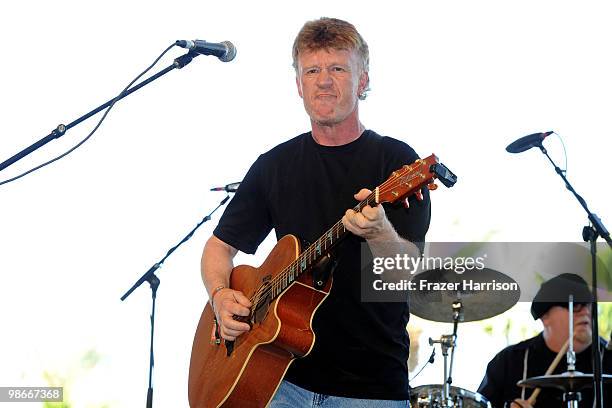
[410, 178]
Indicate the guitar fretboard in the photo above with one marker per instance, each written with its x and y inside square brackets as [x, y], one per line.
[310, 257]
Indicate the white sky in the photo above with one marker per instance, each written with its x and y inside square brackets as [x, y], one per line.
[461, 79]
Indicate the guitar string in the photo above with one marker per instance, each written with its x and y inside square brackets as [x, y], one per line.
[283, 279]
[277, 283]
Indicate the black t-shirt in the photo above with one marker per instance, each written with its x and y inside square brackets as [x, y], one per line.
[303, 188]
[506, 369]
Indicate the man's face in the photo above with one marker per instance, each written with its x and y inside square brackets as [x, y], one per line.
[557, 320]
[329, 82]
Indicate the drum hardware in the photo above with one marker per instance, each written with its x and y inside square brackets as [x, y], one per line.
[572, 398]
[430, 396]
[467, 305]
[445, 395]
[571, 381]
[478, 304]
[447, 342]
[567, 381]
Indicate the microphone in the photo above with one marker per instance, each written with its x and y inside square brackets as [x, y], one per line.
[527, 142]
[230, 188]
[225, 50]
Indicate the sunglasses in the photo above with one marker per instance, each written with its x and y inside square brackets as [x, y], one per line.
[577, 306]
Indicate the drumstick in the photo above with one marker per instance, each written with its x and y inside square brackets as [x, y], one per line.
[550, 369]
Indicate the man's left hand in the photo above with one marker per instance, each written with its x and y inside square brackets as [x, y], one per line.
[371, 223]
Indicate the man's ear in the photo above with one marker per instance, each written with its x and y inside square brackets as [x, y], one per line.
[545, 318]
[363, 82]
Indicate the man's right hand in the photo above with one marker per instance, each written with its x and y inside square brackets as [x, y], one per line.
[226, 303]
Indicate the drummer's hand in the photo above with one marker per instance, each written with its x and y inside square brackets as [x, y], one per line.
[226, 303]
[519, 403]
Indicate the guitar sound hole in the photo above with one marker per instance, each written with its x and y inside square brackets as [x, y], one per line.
[261, 309]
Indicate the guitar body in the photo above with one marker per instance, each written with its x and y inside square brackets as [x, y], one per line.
[251, 374]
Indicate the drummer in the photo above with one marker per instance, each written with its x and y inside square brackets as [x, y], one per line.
[532, 357]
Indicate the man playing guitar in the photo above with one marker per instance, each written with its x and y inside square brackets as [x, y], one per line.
[302, 187]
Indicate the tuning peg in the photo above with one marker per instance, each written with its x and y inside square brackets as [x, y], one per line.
[419, 195]
[406, 203]
[432, 186]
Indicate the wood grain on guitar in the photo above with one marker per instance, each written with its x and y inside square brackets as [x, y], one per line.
[285, 296]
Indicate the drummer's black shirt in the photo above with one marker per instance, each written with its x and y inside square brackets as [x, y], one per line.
[303, 188]
[506, 369]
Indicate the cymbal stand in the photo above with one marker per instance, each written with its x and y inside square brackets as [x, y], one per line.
[571, 355]
[571, 397]
[447, 341]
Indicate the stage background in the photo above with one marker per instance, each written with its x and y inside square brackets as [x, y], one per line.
[461, 79]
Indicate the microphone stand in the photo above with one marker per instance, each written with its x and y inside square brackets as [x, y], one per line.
[590, 233]
[149, 276]
[61, 129]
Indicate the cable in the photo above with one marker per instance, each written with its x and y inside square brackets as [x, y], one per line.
[564, 171]
[95, 128]
[429, 361]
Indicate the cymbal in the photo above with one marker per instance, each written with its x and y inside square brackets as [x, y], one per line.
[568, 381]
[484, 293]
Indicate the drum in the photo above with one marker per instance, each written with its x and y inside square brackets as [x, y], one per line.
[430, 396]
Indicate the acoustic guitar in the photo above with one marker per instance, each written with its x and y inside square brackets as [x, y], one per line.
[285, 292]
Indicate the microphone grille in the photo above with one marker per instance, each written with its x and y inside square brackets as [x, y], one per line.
[230, 53]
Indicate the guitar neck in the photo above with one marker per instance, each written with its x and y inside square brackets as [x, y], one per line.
[313, 254]
[401, 184]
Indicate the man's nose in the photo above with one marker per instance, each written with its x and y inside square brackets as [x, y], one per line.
[582, 309]
[324, 79]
